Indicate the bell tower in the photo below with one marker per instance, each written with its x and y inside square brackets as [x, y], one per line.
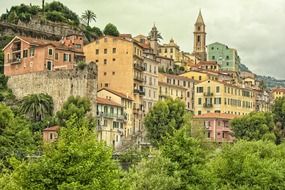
[200, 38]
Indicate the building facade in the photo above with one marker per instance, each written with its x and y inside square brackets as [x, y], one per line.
[215, 125]
[226, 57]
[111, 120]
[219, 97]
[28, 55]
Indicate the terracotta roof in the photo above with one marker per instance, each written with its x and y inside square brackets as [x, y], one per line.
[106, 101]
[215, 115]
[279, 90]
[43, 42]
[54, 128]
[120, 94]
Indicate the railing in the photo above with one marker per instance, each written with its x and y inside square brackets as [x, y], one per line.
[138, 78]
[15, 61]
[112, 115]
[208, 105]
[139, 67]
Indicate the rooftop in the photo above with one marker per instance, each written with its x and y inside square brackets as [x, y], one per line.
[106, 101]
[120, 94]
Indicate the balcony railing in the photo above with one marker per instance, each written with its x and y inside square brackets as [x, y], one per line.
[138, 78]
[208, 94]
[139, 67]
[15, 61]
[208, 105]
[112, 116]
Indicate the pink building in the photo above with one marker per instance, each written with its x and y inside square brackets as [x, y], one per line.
[27, 55]
[50, 134]
[216, 126]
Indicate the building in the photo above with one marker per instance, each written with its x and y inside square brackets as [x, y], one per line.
[199, 49]
[226, 57]
[120, 64]
[50, 134]
[263, 100]
[200, 75]
[28, 55]
[278, 93]
[170, 50]
[176, 86]
[111, 121]
[207, 66]
[215, 125]
[213, 96]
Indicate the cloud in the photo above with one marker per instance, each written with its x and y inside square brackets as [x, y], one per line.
[255, 28]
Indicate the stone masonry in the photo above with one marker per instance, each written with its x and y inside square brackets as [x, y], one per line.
[58, 84]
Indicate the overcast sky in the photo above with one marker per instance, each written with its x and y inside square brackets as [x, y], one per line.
[256, 28]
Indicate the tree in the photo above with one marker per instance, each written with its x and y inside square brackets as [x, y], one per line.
[37, 106]
[16, 138]
[278, 110]
[157, 173]
[191, 158]
[249, 165]
[75, 161]
[88, 16]
[111, 30]
[74, 106]
[164, 118]
[255, 126]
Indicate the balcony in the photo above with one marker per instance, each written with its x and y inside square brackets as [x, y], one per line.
[15, 61]
[208, 94]
[112, 116]
[139, 78]
[139, 67]
[208, 105]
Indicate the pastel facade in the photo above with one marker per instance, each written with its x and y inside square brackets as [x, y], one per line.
[219, 97]
[176, 86]
[226, 57]
[216, 126]
[111, 120]
[278, 93]
[28, 55]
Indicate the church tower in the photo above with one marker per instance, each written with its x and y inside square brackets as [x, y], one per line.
[153, 38]
[200, 38]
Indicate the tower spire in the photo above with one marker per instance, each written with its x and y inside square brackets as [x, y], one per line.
[200, 19]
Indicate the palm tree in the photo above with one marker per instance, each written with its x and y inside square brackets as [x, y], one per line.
[37, 106]
[88, 16]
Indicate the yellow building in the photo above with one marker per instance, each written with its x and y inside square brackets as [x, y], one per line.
[218, 97]
[278, 93]
[199, 75]
[175, 86]
[120, 68]
[170, 50]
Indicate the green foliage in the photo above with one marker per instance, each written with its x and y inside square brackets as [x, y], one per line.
[255, 126]
[37, 106]
[88, 16]
[111, 30]
[188, 153]
[81, 65]
[164, 118]
[157, 173]
[92, 33]
[74, 106]
[250, 165]
[16, 138]
[54, 11]
[75, 161]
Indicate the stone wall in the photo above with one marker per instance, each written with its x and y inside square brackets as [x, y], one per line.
[58, 84]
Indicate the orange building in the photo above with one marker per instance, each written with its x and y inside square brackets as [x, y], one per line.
[50, 134]
[27, 55]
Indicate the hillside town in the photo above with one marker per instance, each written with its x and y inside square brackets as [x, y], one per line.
[125, 77]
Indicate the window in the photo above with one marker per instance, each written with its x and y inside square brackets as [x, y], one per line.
[32, 51]
[114, 50]
[25, 53]
[106, 85]
[213, 57]
[217, 89]
[228, 63]
[49, 65]
[97, 60]
[199, 112]
[113, 72]
[56, 56]
[199, 101]
[50, 52]
[227, 57]
[171, 50]
[97, 51]
[65, 57]
[105, 61]
[114, 59]
[105, 51]
[199, 89]
[200, 77]
[199, 39]
[105, 73]
[199, 28]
